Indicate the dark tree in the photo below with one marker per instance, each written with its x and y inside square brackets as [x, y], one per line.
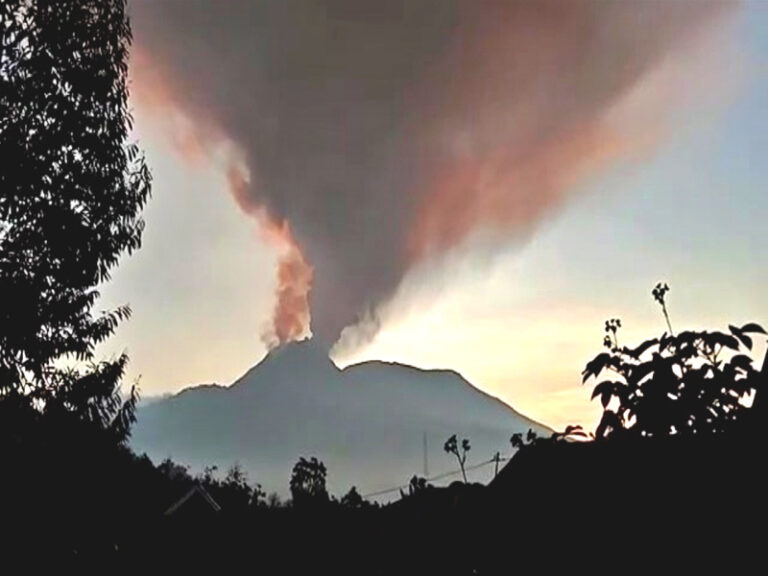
[308, 482]
[236, 489]
[71, 191]
[352, 499]
[692, 383]
[233, 492]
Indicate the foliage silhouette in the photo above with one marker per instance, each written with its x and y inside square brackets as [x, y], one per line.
[71, 192]
[571, 432]
[273, 500]
[353, 499]
[695, 382]
[233, 493]
[72, 188]
[308, 483]
[415, 485]
[518, 441]
[659, 293]
[451, 446]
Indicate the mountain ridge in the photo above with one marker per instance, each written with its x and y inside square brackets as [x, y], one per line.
[365, 421]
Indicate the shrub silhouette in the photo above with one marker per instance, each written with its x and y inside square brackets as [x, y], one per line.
[695, 382]
[233, 493]
[353, 499]
[415, 485]
[518, 441]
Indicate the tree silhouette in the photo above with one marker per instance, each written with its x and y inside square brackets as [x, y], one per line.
[273, 500]
[695, 382]
[452, 447]
[308, 482]
[208, 476]
[415, 484]
[71, 192]
[352, 499]
[233, 492]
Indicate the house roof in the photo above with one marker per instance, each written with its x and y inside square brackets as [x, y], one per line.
[201, 492]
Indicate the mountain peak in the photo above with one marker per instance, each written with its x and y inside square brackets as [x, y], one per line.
[290, 361]
[302, 352]
[368, 423]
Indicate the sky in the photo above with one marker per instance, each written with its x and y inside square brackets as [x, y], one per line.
[466, 185]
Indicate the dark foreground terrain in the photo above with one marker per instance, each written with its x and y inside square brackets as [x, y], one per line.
[670, 505]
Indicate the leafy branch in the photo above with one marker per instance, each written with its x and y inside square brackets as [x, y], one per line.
[452, 447]
[695, 382]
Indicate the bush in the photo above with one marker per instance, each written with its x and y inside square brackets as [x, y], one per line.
[691, 383]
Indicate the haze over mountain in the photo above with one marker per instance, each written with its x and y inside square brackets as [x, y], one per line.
[366, 422]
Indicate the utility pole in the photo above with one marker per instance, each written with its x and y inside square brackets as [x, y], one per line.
[426, 459]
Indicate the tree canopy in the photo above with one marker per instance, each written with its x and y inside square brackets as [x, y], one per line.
[308, 482]
[72, 188]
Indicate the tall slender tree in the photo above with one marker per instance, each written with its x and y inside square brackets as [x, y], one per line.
[72, 188]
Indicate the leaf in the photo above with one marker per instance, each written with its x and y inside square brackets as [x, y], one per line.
[607, 390]
[686, 337]
[739, 333]
[609, 421]
[753, 328]
[637, 352]
[746, 340]
[665, 341]
[599, 389]
[638, 373]
[595, 366]
[742, 361]
[725, 340]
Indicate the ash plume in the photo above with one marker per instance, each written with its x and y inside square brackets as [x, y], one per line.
[291, 316]
[378, 135]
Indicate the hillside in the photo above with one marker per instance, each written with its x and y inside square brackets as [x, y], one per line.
[367, 422]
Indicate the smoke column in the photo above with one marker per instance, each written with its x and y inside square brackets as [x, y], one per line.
[367, 137]
[290, 319]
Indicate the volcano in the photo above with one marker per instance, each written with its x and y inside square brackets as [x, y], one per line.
[373, 424]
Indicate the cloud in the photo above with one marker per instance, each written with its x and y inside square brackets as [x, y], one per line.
[372, 136]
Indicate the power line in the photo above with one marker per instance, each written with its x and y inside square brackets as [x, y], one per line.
[437, 477]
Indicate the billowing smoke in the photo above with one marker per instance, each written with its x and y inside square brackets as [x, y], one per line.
[290, 319]
[369, 136]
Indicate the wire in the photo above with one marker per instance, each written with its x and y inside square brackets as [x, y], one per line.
[436, 477]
